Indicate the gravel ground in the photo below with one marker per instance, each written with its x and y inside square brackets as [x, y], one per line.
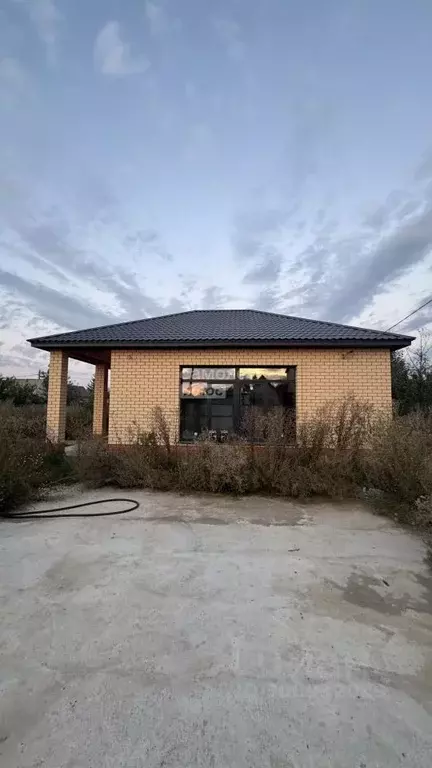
[216, 632]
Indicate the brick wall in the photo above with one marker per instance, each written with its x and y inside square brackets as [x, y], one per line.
[100, 399]
[57, 394]
[143, 379]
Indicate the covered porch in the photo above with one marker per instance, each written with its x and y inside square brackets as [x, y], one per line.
[57, 389]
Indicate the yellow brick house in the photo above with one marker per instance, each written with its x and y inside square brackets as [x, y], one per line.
[204, 368]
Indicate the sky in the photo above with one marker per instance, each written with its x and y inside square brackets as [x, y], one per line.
[158, 156]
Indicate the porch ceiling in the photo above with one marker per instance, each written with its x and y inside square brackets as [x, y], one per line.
[91, 356]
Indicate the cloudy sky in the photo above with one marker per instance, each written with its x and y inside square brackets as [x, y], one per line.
[165, 155]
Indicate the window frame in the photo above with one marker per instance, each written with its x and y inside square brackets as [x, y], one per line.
[237, 383]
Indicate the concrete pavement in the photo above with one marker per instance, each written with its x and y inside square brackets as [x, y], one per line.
[211, 631]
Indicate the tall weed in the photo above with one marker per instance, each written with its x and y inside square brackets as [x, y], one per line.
[345, 447]
[28, 462]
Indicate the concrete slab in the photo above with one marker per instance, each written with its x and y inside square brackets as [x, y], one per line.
[215, 632]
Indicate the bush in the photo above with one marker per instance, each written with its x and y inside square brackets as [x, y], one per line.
[144, 464]
[344, 448]
[211, 467]
[399, 463]
[79, 421]
[93, 463]
[28, 462]
[264, 459]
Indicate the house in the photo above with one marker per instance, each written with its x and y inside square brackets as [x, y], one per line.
[37, 385]
[204, 368]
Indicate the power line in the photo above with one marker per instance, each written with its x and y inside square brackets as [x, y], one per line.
[429, 301]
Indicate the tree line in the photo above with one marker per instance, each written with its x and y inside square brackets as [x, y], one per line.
[412, 376]
[28, 393]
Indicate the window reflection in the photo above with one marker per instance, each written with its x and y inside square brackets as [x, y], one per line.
[197, 373]
[218, 401]
[259, 373]
[209, 390]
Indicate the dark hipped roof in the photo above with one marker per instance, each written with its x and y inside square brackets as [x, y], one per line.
[224, 328]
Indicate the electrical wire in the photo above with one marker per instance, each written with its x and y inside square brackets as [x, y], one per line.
[55, 512]
[410, 314]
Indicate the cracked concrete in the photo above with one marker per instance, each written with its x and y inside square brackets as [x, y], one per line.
[210, 631]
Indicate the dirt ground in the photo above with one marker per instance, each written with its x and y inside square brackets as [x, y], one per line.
[215, 632]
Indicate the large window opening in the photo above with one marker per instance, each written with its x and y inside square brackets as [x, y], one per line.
[223, 401]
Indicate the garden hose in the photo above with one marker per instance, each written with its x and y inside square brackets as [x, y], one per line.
[57, 511]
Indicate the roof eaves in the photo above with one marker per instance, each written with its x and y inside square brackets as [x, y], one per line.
[390, 343]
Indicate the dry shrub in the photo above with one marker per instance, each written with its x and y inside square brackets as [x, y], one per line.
[28, 462]
[270, 439]
[330, 450]
[93, 462]
[79, 421]
[264, 459]
[144, 464]
[399, 463]
[161, 429]
[344, 426]
[326, 457]
[421, 515]
[213, 467]
[27, 421]
[344, 447]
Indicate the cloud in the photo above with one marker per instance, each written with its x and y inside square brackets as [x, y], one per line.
[113, 56]
[214, 297]
[58, 265]
[266, 272]
[341, 275]
[156, 17]
[229, 34]
[45, 18]
[13, 80]
[253, 229]
[393, 255]
[424, 169]
[51, 243]
[419, 320]
[268, 300]
[12, 73]
[147, 241]
[57, 306]
[319, 270]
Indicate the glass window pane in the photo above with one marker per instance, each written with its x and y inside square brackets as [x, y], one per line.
[206, 389]
[267, 394]
[206, 406]
[193, 418]
[197, 373]
[268, 372]
[221, 422]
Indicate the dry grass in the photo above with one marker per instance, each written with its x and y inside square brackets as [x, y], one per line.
[28, 462]
[399, 463]
[79, 421]
[345, 448]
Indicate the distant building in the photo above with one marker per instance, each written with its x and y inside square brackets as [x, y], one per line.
[37, 384]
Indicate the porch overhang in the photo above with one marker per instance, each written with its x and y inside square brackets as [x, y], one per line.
[85, 354]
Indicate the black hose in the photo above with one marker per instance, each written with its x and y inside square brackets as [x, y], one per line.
[54, 512]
